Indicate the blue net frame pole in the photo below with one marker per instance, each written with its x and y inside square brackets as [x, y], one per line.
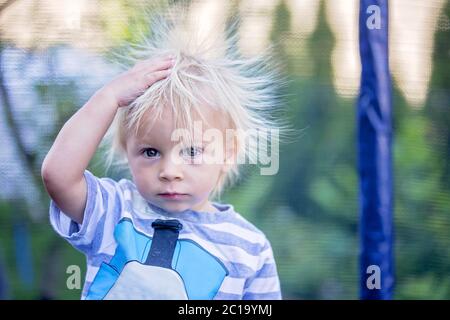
[374, 130]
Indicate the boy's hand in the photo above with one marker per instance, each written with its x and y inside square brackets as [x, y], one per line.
[127, 86]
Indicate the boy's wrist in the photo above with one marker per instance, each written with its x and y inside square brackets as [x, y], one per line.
[107, 97]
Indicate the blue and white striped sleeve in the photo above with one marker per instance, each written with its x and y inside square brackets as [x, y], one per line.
[264, 284]
[103, 206]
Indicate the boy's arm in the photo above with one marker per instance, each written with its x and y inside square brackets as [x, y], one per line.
[63, 168]
[265, 283]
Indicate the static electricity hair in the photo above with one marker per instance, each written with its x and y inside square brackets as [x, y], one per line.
[209, 72]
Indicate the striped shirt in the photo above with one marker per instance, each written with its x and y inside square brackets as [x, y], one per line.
[241, 248]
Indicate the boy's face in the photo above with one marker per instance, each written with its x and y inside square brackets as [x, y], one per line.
[170, 175]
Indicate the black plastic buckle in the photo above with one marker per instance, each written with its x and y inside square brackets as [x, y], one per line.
[167, 224]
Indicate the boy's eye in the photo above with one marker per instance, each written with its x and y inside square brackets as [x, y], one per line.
[151, 152]
[191, 152]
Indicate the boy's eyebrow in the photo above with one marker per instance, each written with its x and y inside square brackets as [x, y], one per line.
[142, 141]
[150, 141]
[144, 138]
[201, 144]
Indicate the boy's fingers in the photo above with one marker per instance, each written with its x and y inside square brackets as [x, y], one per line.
[155, 76]
[159, 64]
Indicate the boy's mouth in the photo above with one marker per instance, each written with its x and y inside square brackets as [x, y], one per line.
[172, 195]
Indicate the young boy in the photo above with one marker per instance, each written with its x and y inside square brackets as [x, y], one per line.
[159, 235]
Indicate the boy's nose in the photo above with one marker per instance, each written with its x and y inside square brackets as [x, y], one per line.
[170, 171]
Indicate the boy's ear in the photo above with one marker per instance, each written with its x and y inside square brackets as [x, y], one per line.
[225, 168]
[229, 157]
[230, 154]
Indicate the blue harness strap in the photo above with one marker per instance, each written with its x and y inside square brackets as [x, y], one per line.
[163, 244]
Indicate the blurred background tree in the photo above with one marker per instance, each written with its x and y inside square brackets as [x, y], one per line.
[309, 209]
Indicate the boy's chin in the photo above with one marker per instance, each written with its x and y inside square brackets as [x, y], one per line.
[173, 206]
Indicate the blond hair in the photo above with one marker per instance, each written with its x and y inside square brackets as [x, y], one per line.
[245, 89]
